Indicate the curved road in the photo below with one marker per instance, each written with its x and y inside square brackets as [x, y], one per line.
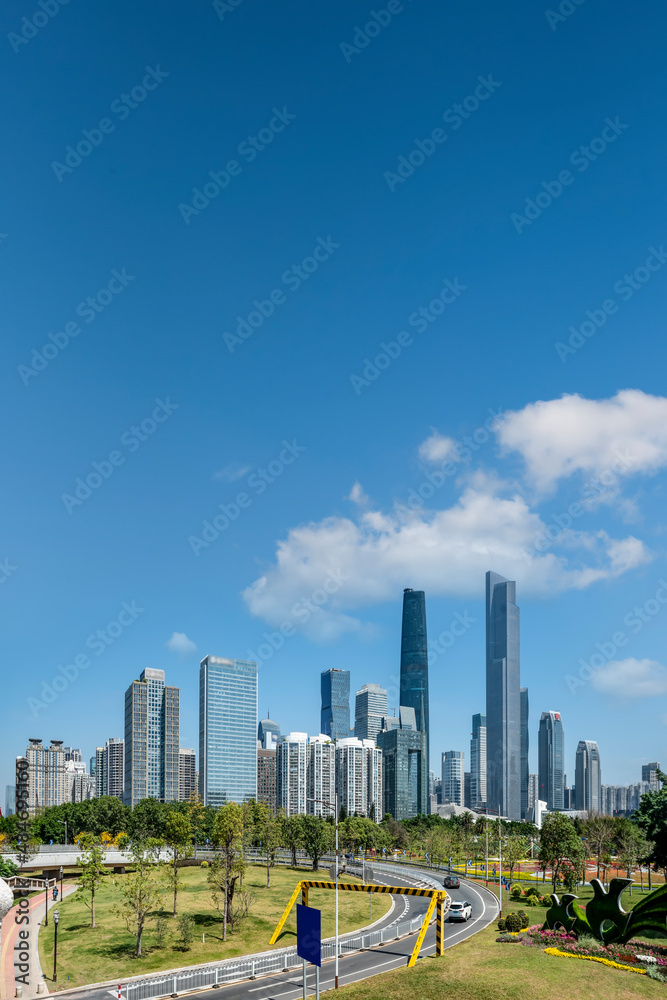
[364, 964]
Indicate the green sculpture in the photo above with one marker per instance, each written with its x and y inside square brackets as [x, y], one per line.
[605, 918]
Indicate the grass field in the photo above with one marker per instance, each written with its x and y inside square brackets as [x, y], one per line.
[481, 969]
[90, 955]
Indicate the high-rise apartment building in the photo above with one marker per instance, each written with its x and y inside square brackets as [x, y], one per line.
[335, 715]
[227, 730]
[152, 738]
[268, 734]
[359, 777]
[650, 774]
[321, 776]
[414, 662]
[551, 761]
[187, 773]
[79, 785]
[266, 777]
[46, 774]
[113, 767]
[587, 780]
[503, 698]
[72, 754]
[405, 772]
[370, 707]
[478, 763]
[453, 784]
[525, 747]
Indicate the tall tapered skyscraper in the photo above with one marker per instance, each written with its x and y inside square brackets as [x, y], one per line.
[503, 698]
[587, 779]
[335, 714]
[414, 662]
[525, 746]
[551, 761]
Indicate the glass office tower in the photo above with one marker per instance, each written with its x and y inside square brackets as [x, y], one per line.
[152, 740]
[503, 699]
[227, 730]
[370, 708]
[414, 662]
[335, 716]
[587, 779]
[551, 761]
[478, 762]
[525, 746]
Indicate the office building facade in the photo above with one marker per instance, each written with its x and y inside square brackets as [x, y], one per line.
[405, 772]
[503, 698]
[414, 662]
[10, 800]
[335, 714]
[227, 730]
[478, 763]
[453, 782]
[268, 734]
[650, 774]
[266, 777]
[587, 780]
[551, 761]
[187, 773]
[152, 739]
[370, 707]
[525, 747]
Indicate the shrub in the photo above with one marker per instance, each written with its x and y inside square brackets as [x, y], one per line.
[507, 939]
[532, 890]
[501, 924]
[524, 918]
[533, 900]
[186, 930]
[161, 925]
[516, 892]
[654, 973]
[589, 942]
[513, 923]
[546, 900]
[204, 864]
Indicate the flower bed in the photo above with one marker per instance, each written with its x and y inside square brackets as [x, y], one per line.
[635, 956]
[595, 958]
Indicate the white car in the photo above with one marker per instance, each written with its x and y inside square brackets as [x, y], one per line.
[460, 911]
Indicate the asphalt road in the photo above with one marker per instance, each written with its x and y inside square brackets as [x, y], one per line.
[362, 965]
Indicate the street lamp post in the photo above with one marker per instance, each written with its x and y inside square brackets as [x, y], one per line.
[56, 918]
[333, 805]
[64, 821]
[46, 900]
[61, 882]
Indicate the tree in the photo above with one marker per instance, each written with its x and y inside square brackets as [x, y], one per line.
[186, 930]
[93, 873]
[316, 838]
[148, 820]
[291, 834]
[599, 833]
[178, 842]
[559, 843]
[514, 851]
[139, 891]
[266, 830]
[651, 818]
[228, 866]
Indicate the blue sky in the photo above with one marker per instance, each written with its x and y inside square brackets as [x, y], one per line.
[365, 197]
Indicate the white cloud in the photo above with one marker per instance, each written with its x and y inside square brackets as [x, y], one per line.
[443, 552]
[438, 448]
[179, 643]
[609, 438]
[232, 472]
[357, 495]
[631, 679]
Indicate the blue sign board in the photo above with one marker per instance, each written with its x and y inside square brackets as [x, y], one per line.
[309, 934]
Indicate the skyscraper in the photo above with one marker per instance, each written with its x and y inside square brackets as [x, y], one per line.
[453, 782]
[152, 736]
[405, 774]
[335, 687]
[525, 746]
[46, 774]
[10, 800]
[359, 777]
[321, 776]
[503, 699]
[113, 767]
[268, 733]
[414, 662]
[478, 763]
[187, 771]
[370, 707]
[227, 730]
[650, 774]
[266, 777]
[587, 780]
[551, 761]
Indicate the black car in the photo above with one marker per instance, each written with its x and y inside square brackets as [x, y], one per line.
[349, 857]
[451, 882]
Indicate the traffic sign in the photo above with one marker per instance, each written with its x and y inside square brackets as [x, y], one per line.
[309, 934]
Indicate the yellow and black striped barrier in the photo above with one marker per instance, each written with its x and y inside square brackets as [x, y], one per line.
[439, 898]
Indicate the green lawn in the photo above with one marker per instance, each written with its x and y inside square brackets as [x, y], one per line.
[90, 955]
[481, 969]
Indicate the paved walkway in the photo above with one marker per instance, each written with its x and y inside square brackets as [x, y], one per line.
[10, 937]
